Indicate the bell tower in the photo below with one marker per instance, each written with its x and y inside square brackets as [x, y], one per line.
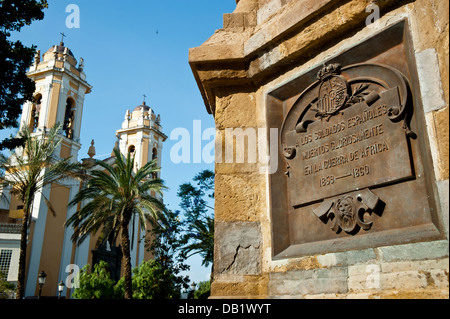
[59, 97]
[61, 88]
[141, 134]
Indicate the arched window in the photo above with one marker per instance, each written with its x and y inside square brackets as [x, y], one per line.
[131, 149]
[154, 156]
[35, 111]
[69, 118]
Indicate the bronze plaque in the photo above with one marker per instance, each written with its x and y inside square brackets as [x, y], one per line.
[348, 137]
[355, 170]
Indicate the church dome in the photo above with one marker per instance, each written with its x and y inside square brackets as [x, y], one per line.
[145, 106]
[60, 49]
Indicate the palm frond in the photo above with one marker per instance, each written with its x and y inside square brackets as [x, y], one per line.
[114, 194]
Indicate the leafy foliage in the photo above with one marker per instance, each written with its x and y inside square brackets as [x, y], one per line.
[115, 196]
[165, 242]
[6, 288]
[203, 291]
[152, 281]
[32, 167]
[98, 284]
[27, 171]
[15, 59]
[199, 216]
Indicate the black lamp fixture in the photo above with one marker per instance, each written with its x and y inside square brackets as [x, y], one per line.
[61, 286]
[41, 280]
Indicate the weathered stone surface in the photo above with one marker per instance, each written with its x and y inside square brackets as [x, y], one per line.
[304, 282]
[347, 258]
[430, 80]
[229, 104]
[240, 252]
[238, 197]
[249, 287]
[442, 137]
[416, 251]
[443, 187]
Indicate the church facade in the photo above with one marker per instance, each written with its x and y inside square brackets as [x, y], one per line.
[61, 88]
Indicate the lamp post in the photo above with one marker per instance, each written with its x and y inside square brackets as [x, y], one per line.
[60, 289]
[193, 285]
[41, 279]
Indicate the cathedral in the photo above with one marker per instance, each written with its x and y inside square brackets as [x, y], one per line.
[61, 88]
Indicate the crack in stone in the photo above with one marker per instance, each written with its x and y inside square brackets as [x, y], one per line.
[238, 248]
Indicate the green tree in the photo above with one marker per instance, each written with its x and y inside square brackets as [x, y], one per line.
[151, 280]
[160, 278]
[165, 241]
[203, 291]
[27, 171]
[15, 59]
[199, 216]
[6, 288]
[115, 195]
[98, 284]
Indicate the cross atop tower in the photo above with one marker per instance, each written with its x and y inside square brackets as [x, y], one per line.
[145, 96]
[62, 38]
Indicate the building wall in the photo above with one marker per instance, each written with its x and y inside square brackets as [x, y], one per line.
[11, 243]
[54, 238]
[265, 45]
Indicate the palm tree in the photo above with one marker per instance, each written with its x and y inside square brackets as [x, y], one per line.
[113, 196]
[201, 232]
[27, 171]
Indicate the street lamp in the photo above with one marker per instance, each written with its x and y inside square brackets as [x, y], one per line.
[60, 289]
[184, 294]
[41, 279]
[193, 285]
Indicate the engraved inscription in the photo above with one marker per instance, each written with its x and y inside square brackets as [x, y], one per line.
[349, 138]
[355, 150]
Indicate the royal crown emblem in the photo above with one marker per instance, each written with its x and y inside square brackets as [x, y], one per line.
[333, 91]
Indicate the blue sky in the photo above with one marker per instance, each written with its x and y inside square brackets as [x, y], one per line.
[132, 48]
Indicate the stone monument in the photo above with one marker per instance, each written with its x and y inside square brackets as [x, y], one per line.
[357, 205]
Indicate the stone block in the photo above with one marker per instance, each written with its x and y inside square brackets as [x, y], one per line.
[267, 8]
[416, 251]
[234, 21]
[240, 249]
[309, 282]
[253, 287]
[227, 105]
[422, 265]
[364, 277]
[355, 257]
[404, 280]
[238, 197]
[443, 187]
[441, 122]
[430, 80]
